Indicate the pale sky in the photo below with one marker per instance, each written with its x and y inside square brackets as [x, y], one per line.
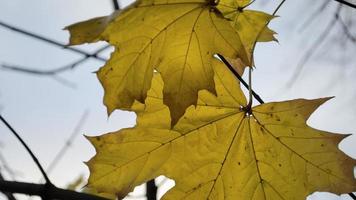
[45, 112]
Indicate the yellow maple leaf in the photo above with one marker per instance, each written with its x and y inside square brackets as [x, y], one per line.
[178, 38]
[218, 150]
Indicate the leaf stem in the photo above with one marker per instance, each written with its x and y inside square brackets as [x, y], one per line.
[249, 105]
[34, 158]
[237, 75]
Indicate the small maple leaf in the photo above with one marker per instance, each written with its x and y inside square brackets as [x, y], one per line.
[178, 38]
[217, 150]
[250, 25]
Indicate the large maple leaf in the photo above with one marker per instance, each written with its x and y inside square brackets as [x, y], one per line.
[220, 150]
[178, 38]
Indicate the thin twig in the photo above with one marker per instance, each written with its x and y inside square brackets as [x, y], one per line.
[49, 41]
[6, 167]
[352, 195]
[116, 4]
[346, 3]
[314, 15]
[265, 26]
[313, 48]
[250, 101]
[52, 71]
[151, 190]
[68, 143]
[28, 150]
[9, 195]
[50, 192]
[64, 81]
[345, 28]
[277, 9]
[237, 75]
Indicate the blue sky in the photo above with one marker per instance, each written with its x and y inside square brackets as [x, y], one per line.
[45, 111]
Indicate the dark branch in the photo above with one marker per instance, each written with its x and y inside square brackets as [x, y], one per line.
[49, 191]
[151, 190]
[346, 3]
[352, 195]
[52, 71]
[49, 41]
[48, 182]
[9, 195]
[277, 9]
[237, 75]
[116, 4]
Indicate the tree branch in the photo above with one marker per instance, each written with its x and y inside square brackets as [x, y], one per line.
[52, 71]
[346, 3]
[151, 190]
[352, 195]
[116, 4]
[309, 53]
[9, 195]
[49, 191]
[48, 182]
[68, 143]
[345, 28]
[49, 41]
[237, 75]
[6, 167]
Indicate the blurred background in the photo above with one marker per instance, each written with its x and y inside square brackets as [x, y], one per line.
[51, 96]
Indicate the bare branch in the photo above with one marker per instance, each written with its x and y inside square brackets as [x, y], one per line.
[64, 81]
[254, 94]
[49, 41]
[314, 15]
[352, 195]
[278, 7]
[69, 142]
[312, 49]
[6, 167]
[116, 4]
[45, 191]
[345, 28]
[9, 195]
[52, 71]
[48, 182]
[151, 190]
[346, 3]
